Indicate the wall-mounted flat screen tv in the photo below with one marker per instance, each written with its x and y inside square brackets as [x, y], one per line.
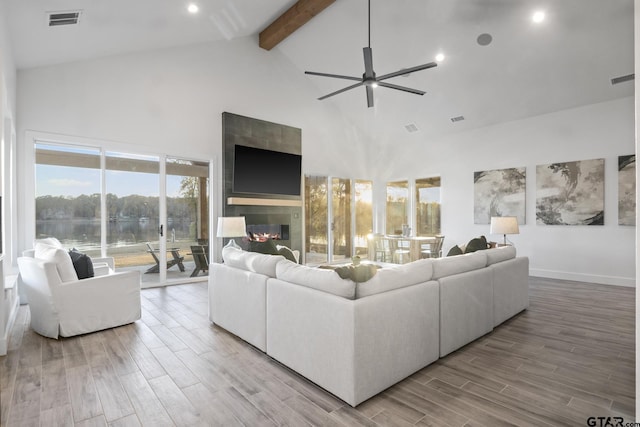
[261, 171]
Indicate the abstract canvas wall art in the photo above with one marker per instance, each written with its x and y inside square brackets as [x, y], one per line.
[627, 190]
[499, 192]
[570, 193]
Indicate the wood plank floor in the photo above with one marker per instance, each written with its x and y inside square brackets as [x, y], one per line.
[570, 356]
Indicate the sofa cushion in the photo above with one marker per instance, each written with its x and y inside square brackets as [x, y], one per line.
[58, 256]
[82, 264]
[251, 261]
[443, 267]
[387, 279]
[477, 244]
[500, 254]
[316, 278]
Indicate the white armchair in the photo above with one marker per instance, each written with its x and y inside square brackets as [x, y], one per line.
[78, 306]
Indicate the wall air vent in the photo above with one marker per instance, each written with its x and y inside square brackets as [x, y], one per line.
[622, 79]
[56, 19]
[411, 128]
[457, 119]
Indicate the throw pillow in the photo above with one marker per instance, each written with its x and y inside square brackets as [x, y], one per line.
[81, 263]
[477, 244]
[51, 241]
[58, 256]
[287, 253]
[455, 251]
[357, 273]
[266, 247]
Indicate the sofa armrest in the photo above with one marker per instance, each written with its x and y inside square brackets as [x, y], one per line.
[108, 260]
[237, 300]
[35, 277]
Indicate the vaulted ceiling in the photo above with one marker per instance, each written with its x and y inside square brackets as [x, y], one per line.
[528, 69]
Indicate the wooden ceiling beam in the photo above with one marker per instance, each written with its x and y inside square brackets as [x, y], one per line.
[287, 23]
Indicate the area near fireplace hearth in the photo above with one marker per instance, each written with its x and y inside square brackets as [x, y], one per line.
[268, 195]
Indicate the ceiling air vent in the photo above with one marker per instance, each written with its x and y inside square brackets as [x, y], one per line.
[457, 119]
[622, 79]
[57, 19]
[411, 127]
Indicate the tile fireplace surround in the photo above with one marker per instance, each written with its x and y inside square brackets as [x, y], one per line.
[261, 209]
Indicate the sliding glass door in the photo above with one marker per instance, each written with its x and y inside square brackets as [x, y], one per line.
[132, 185]
[187, 221]
[150, 213]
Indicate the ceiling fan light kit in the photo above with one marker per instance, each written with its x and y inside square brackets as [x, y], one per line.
[369, 79]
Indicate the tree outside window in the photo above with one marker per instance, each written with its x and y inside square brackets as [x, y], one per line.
[428, 206]
[397, 206]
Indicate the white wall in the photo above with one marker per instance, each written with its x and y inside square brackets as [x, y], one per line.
[7, 137]
[601, 254]
[173, 98]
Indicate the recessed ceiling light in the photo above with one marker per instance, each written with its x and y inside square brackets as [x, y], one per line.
[193, 8]
[538, 17]
[440, 57]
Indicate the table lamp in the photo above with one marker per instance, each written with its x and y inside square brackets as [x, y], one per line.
[504, 225]
[230, 227]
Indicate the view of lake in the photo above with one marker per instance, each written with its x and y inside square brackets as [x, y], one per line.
[85, 234]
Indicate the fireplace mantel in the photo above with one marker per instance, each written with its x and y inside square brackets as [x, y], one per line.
[254, 201]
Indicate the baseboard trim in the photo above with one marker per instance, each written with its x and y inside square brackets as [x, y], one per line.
[629, 282]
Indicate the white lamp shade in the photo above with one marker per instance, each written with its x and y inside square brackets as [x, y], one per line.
[504, 225]
[232, 226]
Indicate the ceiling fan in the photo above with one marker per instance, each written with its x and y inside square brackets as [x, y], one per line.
[369, 79]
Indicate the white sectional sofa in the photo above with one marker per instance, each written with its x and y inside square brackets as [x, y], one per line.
[357, 339]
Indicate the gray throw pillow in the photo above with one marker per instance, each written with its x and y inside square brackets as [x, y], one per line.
[287, 253]
[82, 264]
[455, 251]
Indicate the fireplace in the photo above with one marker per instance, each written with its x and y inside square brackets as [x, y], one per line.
[277, 225]
[262, 232]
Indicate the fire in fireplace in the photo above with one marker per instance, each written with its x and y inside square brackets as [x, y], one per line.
[262, 232]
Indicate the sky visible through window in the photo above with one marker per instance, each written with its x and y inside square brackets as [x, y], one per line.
[66, 181]
[73, 182]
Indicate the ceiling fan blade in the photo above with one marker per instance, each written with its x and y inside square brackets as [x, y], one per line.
[408, 70]
[335, 76]
[340, 91]
[369, 96]
[368, 62]
[403, 88]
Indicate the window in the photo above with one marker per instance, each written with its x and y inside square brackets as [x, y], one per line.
[341, 218]
[68, 196]
[346, 234]
[428, 206]
[397, 206]
[364, 215]
[316, 215]
[102, 202]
